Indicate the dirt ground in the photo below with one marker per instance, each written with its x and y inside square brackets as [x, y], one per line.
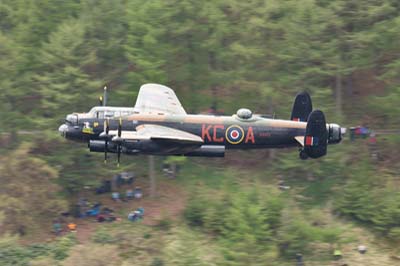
[168, 203]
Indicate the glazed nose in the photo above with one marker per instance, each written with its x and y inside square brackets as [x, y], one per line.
[63, 130]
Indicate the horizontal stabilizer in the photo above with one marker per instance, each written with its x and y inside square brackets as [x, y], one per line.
[302, 107]
[300, 140]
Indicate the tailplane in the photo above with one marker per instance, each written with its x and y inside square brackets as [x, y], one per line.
[302, 107]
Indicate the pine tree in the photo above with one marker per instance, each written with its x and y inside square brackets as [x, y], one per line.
[63, 80]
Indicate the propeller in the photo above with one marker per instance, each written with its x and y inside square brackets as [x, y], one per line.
[116, 139]
[106, 130]
[119, 143]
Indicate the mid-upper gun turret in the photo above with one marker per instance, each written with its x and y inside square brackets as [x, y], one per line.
[244, 113]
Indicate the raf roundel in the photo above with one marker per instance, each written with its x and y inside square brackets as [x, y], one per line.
[234, 134]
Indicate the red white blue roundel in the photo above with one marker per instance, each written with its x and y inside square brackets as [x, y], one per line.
[234, 134]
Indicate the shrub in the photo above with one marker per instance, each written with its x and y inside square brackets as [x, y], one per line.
[157, 262]
[103, 237]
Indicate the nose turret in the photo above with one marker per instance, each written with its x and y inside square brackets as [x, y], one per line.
[73, 132]
[63, 130]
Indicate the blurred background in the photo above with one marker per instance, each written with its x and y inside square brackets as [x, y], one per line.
[251, 208]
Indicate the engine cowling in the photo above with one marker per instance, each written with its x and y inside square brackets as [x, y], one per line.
[335, 133]
[100, 146]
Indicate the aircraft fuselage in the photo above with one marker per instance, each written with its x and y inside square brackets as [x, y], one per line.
[230, 131]
[158, 124]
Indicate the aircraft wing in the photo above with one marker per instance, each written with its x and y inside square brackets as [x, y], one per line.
[159, 133]
[158, 99]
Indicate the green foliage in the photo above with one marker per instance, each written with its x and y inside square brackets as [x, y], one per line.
[62, 77]
[57, 55]
[14, 254]
[252, 54]
[21, 256]
[195, 211]
[93, 254]
[157, 262]
[394, 233]
[62, 246]
[371, 199]
[258, 225]
[300, 230]
[243, 221]
[28, 191]
[296, 236]
[164, 224]
[103, 237]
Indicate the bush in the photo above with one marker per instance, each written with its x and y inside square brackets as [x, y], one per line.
[62, 246]
[241, 220]
[157, 262]
[103, 237]
[164, 224]
[12, 254]
[93, 254]
[394, 233]
[195, 212]
[371, 201]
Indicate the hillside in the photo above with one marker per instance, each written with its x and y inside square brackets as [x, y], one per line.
[181, 226]
[250, 208]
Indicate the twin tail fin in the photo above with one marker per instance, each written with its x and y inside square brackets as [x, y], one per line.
[302, 107]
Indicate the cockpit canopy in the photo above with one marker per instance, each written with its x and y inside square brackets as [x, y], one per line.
[102, 112]
[244, 113]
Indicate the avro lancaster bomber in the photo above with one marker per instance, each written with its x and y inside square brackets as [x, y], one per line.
[158, 125]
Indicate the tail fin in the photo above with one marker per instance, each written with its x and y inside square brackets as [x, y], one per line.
[316, 138]
[302, 107]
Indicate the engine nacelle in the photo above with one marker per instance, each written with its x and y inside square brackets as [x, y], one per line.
[133, 148]
[100, 146]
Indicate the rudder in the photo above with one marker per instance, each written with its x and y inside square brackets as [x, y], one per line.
[302, 107]
[316, 138]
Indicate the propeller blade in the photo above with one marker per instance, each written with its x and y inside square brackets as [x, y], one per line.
[120, 128]
[107, 126]
[106, 140]
[105, 150]
[119, 154]
[119, 143]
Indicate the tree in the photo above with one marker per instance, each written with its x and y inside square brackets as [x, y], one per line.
[145, 48]
[28, 191]
[106, 28]
[8, 73]
[62, 79]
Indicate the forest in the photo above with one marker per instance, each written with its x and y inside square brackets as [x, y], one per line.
[56, 57]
